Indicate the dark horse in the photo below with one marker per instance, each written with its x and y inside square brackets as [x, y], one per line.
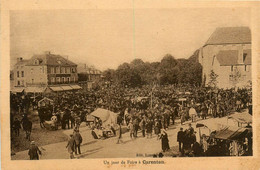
[43, 116]
[27, 127]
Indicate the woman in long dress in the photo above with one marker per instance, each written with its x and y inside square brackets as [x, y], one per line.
[165, 140]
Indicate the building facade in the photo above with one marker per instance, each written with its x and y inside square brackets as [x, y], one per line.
[45, 71]
[87, 76]
[228, 54]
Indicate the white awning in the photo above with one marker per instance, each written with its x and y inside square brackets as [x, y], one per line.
[66, 88]
[56, 88]
[35, 89]
[75, 87]
[17, 90]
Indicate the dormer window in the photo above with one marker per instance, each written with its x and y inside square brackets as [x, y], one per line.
[36, 61]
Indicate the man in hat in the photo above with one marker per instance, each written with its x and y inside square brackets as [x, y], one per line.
[180, 138]
[78, 140]
[34, 151]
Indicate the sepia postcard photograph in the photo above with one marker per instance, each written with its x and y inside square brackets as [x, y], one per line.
[130, 85]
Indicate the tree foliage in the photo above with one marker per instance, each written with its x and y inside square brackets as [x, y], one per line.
[213, 79]
[168, 71]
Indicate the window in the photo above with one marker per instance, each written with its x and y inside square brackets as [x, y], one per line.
[72, 70]
[245, 67]
[52, 70]
[22, 73]
[36, 62]
[68, 79]
[68, 70]
[18, 83]
[57, 70]
[63, 79]
[53, 80]
[244, 56]
[231, 68]
[62, 70]
[213, 60]
[57, 79]
[17, 73]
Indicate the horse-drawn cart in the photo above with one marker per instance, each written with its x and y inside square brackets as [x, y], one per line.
[45, 110]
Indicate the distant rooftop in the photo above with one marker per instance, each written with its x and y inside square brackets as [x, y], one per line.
[83, 68]
[50, 59]
[230, 35]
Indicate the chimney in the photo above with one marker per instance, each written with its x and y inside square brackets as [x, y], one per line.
[19, 59]
[47, 52]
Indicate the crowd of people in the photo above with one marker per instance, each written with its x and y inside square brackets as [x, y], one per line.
[151, 109]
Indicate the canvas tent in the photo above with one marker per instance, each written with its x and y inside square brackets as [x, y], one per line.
[45, 101]
[231, 133]
[242, 117]
[106, 116]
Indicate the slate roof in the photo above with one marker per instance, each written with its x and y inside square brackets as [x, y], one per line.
[21, 62]
[230, 35]
[51, 59]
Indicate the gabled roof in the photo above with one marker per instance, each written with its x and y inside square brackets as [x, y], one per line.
[21, 62]
[50, 59]
[227, 57]
[230, 35]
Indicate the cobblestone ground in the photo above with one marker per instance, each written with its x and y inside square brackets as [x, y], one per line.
[39, 135]
[107, 148]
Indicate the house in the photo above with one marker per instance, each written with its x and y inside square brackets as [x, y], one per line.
[46, 71]
[87, 76]
[228, 54]
[17, 77]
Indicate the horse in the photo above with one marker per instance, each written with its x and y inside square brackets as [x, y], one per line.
[43, 116]
[27, 127]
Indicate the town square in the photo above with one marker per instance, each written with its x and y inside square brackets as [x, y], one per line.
[91, 84]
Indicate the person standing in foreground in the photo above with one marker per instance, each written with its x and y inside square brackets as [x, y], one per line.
[34, 151]
[17, 126]
[78, 140]
[71, 146]
[120, 135]
[131, 129]
[180, 138]
[165, 140]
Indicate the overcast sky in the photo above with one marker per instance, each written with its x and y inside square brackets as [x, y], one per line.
[107, 38]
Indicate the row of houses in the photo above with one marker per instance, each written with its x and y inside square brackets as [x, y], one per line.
[227, 53]
[50, 72]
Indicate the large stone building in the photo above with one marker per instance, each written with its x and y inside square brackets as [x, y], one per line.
[228, 54]
[45, 72]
